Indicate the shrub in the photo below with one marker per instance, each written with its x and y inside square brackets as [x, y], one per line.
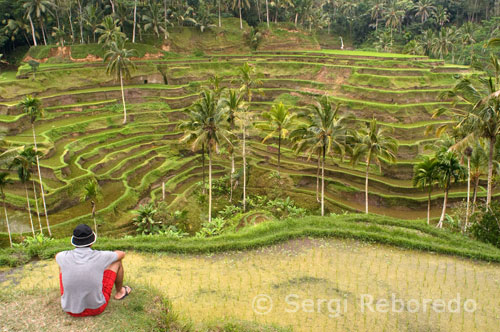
[229, 211]
[284, 208]
[213, 228]
[486, 225]
[198, 53]
[34, 245]
[145, 221]
[173, 232]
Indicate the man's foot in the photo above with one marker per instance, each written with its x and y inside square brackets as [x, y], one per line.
[123, 293]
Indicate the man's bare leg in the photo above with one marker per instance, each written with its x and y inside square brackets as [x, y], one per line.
[117, 267]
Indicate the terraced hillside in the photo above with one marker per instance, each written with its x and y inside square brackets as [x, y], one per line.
[81, 134]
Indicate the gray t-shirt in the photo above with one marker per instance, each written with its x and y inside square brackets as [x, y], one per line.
[82, 271]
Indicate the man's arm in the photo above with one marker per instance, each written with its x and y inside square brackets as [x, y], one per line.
[121, 255]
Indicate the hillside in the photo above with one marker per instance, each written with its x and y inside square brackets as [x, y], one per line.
[81, 135]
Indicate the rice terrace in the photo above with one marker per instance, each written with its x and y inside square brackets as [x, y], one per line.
[264, 166]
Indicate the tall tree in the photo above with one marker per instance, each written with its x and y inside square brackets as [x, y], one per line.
[38, 9]
[210, 121]
[372, 144]
[109, 31]
[120, 64]
[92, 193]
[280, 123]
[33, 108]
[424, 9]
[240, 3]
[424, 177]
[4, 181]
[481, 115]
[235, 104]
[449, 169]
[248, 81]
[326, 131]
[22, 165]
[93, 15]
[30, 155]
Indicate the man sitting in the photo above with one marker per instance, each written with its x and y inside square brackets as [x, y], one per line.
[87, 276]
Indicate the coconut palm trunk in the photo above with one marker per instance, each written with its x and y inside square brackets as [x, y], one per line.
[40, 179]
[323, 182]
[209, 185]
[317, 178]
[474, 194]
[7, 219]
[231, 177]
[366, 183]
[429, 205]
[244, 164]
[445, 202]
[203, 166]
[267, 13]
[490, 171]
[93, 215]
[241, 19]
[135, 21]
[279, 150]
[29, 209]
[36, 206]
[33, 34]
[123, 99]
[43, 32]
[220, 20]
[468, 195]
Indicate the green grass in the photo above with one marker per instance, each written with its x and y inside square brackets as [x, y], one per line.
[146, 309]
[372, 228]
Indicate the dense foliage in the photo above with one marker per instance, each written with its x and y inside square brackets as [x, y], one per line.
[446, 29]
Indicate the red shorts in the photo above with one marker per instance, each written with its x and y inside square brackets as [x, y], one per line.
[108, 280]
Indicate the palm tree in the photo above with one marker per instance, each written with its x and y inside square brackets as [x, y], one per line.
[210, 120]
[448, 168]
[37, 8]
[33, 108]
[326, 131]
[30, 155]
[234, 103]
[93, 15]
[22, 165]
[281, 121]
[376, 12]
[248, 81]
[481, 116]
[394, 17]
[246, 4]
[189, 126]
[478, 167]
[443, 42]
[215, 84]
[119, 65]
[372, 144]
[424, 177]
[153, 20]
[465, 35]
[59, 34]
[109, 31]
[424, 9]
[4, 181]
[92, 192]
[442, 15]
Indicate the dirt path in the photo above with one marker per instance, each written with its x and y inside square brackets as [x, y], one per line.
[206, 288]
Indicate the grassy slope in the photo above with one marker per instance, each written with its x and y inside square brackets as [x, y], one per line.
[373, 228]
[145, 310]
